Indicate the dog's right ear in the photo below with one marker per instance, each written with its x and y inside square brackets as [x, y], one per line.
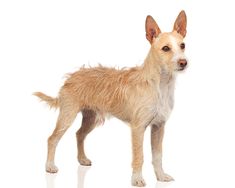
[151, 28]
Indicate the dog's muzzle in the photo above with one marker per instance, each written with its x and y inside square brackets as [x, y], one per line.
[182, 64]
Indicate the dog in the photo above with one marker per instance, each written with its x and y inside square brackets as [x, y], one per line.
[142, 96]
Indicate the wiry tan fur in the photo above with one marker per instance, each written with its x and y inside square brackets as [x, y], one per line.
[52, 102]
[141, 96]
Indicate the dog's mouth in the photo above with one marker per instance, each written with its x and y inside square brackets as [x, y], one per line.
[180, 69]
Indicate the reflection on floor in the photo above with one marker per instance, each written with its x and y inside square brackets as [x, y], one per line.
[50, 180]
[81, 175]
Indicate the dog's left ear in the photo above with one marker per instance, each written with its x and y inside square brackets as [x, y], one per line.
[181, 23]
[151, 28]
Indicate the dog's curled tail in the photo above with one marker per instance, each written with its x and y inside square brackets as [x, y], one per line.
[52, 102]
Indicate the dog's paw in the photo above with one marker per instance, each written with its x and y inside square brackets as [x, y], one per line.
[138, 180]
[85, 162]
[164, 177]
[51, 168]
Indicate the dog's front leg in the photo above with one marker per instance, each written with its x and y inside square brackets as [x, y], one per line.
[137, 154]
[157, 133]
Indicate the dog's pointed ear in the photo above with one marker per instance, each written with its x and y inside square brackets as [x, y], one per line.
[151, 28]
[181, 23]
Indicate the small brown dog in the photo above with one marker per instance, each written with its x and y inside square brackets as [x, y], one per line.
[141, 96]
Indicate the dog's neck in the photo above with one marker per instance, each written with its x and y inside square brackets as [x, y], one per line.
[153, 70]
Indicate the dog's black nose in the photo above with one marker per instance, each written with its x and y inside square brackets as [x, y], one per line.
[182, 63]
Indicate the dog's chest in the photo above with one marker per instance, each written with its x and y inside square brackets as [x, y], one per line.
[165, 99]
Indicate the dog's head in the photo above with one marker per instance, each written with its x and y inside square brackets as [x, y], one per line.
[169, 47]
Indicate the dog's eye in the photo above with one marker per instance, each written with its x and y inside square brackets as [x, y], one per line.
[182, 46]
[165, 48]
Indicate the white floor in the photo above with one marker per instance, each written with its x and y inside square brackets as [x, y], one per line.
[205, 160]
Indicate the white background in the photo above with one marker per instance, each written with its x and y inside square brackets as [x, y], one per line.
[42, 40]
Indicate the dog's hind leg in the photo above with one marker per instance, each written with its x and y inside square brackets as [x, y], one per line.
[66, 117]
[88, 124]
